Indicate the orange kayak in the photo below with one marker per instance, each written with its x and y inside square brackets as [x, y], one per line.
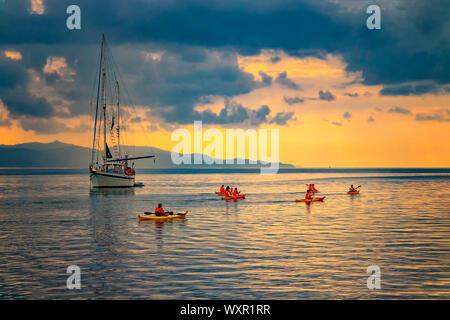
[219, 193]
[310, 200]
[353, 192]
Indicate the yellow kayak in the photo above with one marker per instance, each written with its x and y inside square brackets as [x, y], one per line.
[180, 215]
[310, 200]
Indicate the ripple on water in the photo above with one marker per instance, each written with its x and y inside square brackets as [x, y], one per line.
[265, 247]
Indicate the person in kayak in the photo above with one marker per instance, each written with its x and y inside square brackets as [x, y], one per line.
[308, 194]
[222, 189]
[227, 191]
[235, 193]
[159, 211]
[353, 189]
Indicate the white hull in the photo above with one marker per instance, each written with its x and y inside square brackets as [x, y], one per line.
[111, 180]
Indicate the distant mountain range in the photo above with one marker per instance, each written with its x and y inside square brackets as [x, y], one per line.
[62, 155]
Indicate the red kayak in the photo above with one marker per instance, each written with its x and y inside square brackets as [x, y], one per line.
[241, 196]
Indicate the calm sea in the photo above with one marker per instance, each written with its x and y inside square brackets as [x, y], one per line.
[265, 247]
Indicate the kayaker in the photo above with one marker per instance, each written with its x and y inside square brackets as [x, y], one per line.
[353, 189]
[222, 189]
[159, 211]
[308, 194]
[235, 193]
[227, 191]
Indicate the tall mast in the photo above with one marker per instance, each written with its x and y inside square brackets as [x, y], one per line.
[104, 98]
[118, 118]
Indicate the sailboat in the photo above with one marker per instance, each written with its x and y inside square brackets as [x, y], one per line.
[109, 168]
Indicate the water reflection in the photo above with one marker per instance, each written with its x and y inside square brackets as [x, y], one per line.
[111, 191]
[262, 247]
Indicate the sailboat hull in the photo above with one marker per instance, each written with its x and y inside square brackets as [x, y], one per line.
[111, 180]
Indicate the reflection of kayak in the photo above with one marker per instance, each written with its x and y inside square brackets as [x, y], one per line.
[310, 200]
[353, 192]
[180, 215]
[241, 196]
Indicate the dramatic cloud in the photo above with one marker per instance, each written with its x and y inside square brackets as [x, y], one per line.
[299, 27]
[176, 54]
[399, 110]
[352, 95]
[283, 80]
[235, 113]
[327, 96]
[293, 100]
[347, 115]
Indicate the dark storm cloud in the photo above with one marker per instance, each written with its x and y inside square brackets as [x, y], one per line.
[413, 46]
[293, 100]
[399, 110]
[283, 80]
[13, 90]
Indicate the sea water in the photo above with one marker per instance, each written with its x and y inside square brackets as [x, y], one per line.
[264, 247]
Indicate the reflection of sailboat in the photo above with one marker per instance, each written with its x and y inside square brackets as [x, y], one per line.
[114, 170]
[105, 192]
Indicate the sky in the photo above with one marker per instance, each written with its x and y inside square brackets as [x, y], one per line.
[340, 94]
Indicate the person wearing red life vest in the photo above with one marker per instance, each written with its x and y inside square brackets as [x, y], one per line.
[227, 191]
[159, 211]
[222, 189]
